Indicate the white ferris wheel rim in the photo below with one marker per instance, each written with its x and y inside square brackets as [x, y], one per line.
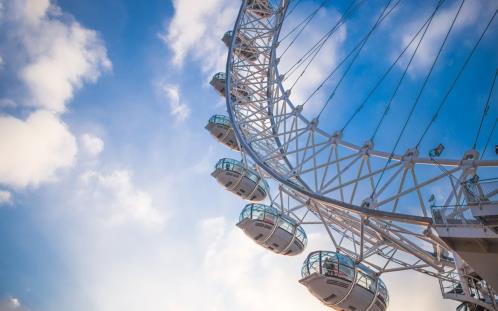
[307, 192]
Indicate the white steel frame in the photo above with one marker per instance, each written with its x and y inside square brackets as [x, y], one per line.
[321, 176]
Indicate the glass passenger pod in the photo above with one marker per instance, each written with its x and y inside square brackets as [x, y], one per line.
[239, 93]
[244, 47]
[238, 179]
[341, 284]
[259, 8]
[273, 230]
[220, 127]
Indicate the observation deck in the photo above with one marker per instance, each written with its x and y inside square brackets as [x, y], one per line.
[471, 229]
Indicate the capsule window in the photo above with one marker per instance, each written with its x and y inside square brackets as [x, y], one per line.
[365, 281]
[258, 214]
[329, 265]
[346, 272]
[282, 223]
[270, 218]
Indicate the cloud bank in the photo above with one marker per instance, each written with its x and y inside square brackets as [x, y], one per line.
[52, 56]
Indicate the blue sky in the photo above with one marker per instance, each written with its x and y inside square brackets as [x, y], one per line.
[106, 202]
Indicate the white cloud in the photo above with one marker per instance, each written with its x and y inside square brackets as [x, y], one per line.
[54, 56]
[1, 60]
[70, 53]
[5, 198]
[196, 30]
[34, 149]
[11, 304]
[117, 200]
[92, 144]
[177, 109]
[58, 54]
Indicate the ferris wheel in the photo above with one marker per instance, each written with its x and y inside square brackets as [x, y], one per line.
[377, 205]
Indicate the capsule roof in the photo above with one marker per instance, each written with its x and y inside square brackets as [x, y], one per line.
[219, 76]
[220, 119]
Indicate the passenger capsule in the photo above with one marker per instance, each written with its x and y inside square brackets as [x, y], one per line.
[271, 229]
[240, 180]
[219, 126]
[244, 46]
[239, 93]
[341, 284]
[260, 8]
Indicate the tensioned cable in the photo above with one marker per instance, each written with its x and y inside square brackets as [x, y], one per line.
[341, 22]
[289, 12]
[317, 46]
[400, 81]
[381, 17]
[489, 138]
[386, 73]
[434, 117]
[486, 108]
[419, 95]
[306, 22]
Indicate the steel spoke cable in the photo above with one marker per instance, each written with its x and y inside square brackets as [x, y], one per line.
[301, 25]
[405, 71]
[462, 69]
[357, 46]
[419, 95]
[323, 39]
[289, 12]
[486, 108]
[489, 138]
[333, 31]
[386, 73]
[302, 29]
[362, 43]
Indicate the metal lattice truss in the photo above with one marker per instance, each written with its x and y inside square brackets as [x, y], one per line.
[325, 180]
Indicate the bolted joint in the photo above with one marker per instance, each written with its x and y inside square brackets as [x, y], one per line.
[410, 157]
[298, 109]
[369, 203]
[336, 138]
[468, 162]
[365, 149]
[313, 124]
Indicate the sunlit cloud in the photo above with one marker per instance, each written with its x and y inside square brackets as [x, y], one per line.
[11, 304]
[92, 144]
[54, 56]
[196, 30]
[5, 198]
[177, 108]
[34, 149]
